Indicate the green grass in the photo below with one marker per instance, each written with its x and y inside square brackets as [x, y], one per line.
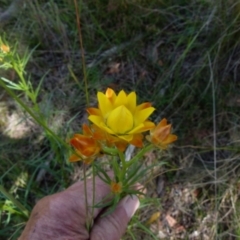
[180, 55]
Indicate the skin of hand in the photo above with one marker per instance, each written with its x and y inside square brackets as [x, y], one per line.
[62, 215]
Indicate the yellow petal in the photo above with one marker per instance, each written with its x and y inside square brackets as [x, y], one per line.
[143, 127]
[142, 115]
[137, 129]
[131, 101]
[96, 120]
[127, 138]
[121, 99]
[106, 128]
[148, 125]
[105, 104]
[120, 120]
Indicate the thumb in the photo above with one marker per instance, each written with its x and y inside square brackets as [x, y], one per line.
[113, 226]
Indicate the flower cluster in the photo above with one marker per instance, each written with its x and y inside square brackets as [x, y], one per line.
[117, 122]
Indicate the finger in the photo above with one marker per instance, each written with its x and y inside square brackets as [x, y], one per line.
[96, 190]
[113, 226]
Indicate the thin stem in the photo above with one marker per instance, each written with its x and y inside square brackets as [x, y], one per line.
[122, 158]
[82, 51]
[88, 221]
[124, 165]
[93, 198]
[115, 166]
[14, 200]
[28, 90]
[28, 110]
[214, 140]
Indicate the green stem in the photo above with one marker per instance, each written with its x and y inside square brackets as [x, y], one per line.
[124, 165]
[116, 168]
[27, 109]
[122, 158]
[93, 198]
[82, 51]
[111, 151]
[14, 201]
[20, 76]
[139, 155]
[28, 89]
[88, 221]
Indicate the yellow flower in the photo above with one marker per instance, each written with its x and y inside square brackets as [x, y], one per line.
[116, 187]
[4, 48]
[161, 135]
[120, 116]
[86, 147]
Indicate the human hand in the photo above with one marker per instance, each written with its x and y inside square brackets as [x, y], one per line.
[62, 216]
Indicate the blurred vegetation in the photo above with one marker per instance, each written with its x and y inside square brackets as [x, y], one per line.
[183, 56]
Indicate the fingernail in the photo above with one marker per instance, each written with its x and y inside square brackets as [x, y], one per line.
[130, 204]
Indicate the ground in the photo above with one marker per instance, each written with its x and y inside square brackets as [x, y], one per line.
[182, 56]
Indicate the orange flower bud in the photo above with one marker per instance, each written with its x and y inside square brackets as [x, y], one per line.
[161, 135]
[116, 187]
[86, 147]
